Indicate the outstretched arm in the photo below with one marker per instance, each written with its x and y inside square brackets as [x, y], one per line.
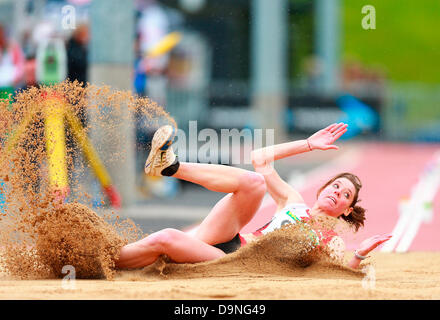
[366, 247]
[321, 140]
[262, 158]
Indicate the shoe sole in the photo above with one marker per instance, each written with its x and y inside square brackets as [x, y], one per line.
[163, 138]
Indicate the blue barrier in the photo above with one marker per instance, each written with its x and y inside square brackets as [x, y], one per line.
[359, 116]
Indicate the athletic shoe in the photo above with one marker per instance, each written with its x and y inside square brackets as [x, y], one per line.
[162, 161]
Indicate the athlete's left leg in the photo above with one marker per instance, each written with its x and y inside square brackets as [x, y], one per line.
[177, 245]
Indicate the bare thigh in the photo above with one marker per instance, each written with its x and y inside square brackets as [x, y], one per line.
[177, 245]
[232, 212]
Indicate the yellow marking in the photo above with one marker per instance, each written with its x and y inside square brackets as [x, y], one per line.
[290, 214]
[165, 44]
[56, 144]
[88, 150]
[15, 137]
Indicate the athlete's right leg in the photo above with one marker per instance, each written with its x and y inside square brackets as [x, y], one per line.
[177, 245]
[245, 188]
[214, 177]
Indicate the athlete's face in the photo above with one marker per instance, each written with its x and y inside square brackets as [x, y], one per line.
[336, 198]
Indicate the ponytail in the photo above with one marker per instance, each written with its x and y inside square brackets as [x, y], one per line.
[356, 218]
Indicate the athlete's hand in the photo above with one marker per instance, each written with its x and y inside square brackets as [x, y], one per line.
[324, 139]
[372, 243]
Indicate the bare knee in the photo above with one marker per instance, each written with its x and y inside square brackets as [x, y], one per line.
[162, 240]
[253, 182]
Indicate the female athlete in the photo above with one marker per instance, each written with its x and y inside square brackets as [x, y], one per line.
[219, 233]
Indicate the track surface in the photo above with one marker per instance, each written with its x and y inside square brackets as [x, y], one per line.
[388, 173]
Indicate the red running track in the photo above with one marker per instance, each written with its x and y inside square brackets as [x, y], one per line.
[388, 172]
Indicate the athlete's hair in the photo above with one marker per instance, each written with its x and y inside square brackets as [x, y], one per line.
[357, 217]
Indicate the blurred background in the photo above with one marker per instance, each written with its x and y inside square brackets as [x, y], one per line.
[294, 66]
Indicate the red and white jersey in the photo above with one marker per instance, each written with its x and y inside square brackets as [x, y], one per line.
[294, 213]
[291, 213]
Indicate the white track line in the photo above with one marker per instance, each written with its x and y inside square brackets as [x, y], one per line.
[424, 197]
[402, 222]
[417, 209]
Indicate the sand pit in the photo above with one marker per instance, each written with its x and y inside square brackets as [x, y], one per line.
[40, 234]
[282, 265]
[278, 266]
[45, 222]
[398, 276]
